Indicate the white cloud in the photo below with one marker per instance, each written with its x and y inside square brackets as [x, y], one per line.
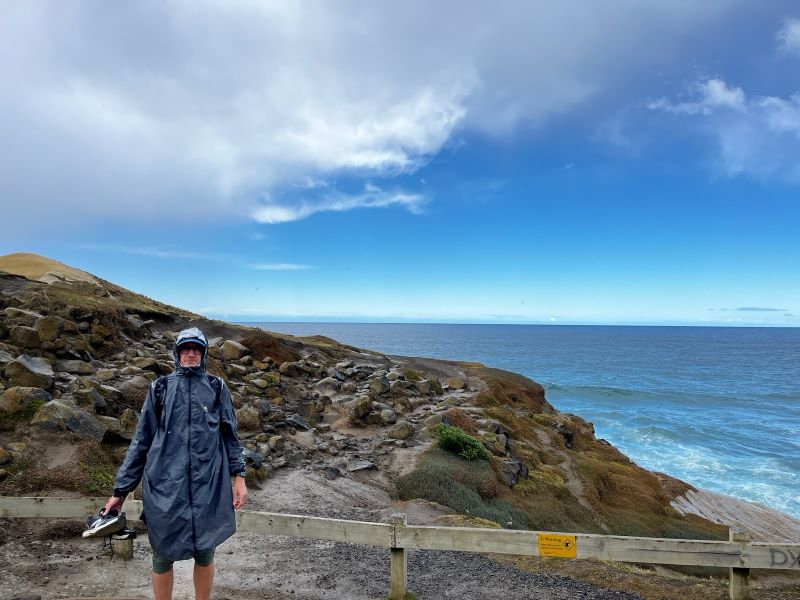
[153, 252]
[758, 136]
[709, 96]
[227, 102]
[789, 36]
[271, 212]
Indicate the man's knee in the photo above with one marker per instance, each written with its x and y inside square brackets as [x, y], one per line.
[204, 557]
[160, 564]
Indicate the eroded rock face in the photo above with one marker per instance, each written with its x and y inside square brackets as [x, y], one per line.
[63, 415]
[24, 337]
[16, 399]
[29, 371]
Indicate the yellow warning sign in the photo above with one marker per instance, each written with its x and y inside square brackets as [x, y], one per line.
[562, 546]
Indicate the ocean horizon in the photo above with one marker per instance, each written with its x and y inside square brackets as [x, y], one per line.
[718, 407]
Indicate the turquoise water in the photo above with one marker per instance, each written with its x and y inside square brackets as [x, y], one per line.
[717, 407]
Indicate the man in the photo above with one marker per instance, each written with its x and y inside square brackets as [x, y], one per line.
[185, 452]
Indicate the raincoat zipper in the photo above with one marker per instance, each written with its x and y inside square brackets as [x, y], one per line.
[189, 454]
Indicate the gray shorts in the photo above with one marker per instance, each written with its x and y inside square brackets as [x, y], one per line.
[202, 558]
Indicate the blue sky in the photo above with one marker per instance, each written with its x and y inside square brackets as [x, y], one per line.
[635, 162]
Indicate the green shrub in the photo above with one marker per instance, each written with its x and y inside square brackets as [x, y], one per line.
[456, 440]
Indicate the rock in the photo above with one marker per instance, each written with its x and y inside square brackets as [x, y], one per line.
[5, 456]
[16, 447]
[500, 443]
[395, 375]
[128, 421]
[134, 391]
[276, 442]
[48, 328]
[29, 371]
[19, 316]
[373, 418]
[62, 415]
[235, 369]
[400, 384]
[260, 383]
[345, 364]
[76, 367]
[388, 417]
[336, 374]
[113, 428]
[454, 383]
[105, 374]
[511, 470]
[356, 409]
[380, 385]
[401, 431]
[24, 337]
[252, 459]
[16, 399]
[248, 419]
[323, 427]
[246, 360]
[234, 350]
[565, 433]
[290, 369]
[360, 465]
[432, 421]
[328, 384]
[5, 358]
[89, 399]
[423, 386]
[298, 421]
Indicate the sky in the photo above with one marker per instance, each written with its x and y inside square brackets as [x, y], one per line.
[624, 162]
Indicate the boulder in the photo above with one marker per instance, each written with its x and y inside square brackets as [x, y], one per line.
[290, 369]
[297, 421]
[356, 409]
[336, 374]
[252, 459]
[76, 367]
[105, 374]
[248, 419]
[388, 417]
[360, 465]
[234, 350]
[48, 327]
[260, 383]
[16, 399]
[423, 386]
[511, 470]
[19, 316]
[5, 358]
[328, 384]
[402, 430]
[134, 391]
[500, 443]
[29, 371]
[276, 442]
[128, 421]
[345, 364]
[5, 457]
[454, 383]
[380, 385]
[24, 337]
[89, 399]
[63, 415]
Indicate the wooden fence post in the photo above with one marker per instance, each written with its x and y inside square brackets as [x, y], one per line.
[124, 548]
[739, 578]
[399, 581]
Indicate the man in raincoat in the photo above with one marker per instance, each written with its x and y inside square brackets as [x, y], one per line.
[186, 452]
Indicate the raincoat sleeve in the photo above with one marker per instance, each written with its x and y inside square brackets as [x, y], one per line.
[130, 473]
[230, 434]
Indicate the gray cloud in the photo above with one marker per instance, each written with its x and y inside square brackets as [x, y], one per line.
[759, 309]
[202, 109]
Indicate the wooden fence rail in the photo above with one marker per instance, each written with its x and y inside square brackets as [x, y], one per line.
[739, 554]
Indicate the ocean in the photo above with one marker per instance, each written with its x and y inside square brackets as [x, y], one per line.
[717, 407]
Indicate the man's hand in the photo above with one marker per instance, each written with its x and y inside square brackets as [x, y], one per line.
[239, 492]
[112, 503]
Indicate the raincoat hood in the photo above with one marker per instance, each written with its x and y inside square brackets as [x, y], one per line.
[194, 335]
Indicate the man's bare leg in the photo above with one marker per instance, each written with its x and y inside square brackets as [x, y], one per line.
[203, 579]
[162, 585]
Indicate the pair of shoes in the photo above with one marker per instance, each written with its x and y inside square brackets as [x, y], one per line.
[104, 524]
[124, 534]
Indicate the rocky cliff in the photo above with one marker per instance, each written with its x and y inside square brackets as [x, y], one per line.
[77, 354]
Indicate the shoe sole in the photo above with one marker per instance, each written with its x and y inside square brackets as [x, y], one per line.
[107, 528]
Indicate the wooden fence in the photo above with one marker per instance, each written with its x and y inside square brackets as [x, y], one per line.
[739, 554]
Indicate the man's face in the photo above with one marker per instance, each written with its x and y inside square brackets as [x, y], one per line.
[190, 354]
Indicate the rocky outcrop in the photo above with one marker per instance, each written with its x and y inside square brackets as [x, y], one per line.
[62, 415]
[30, 371]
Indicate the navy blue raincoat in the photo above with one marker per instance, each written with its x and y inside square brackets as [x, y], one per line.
[185, 461]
